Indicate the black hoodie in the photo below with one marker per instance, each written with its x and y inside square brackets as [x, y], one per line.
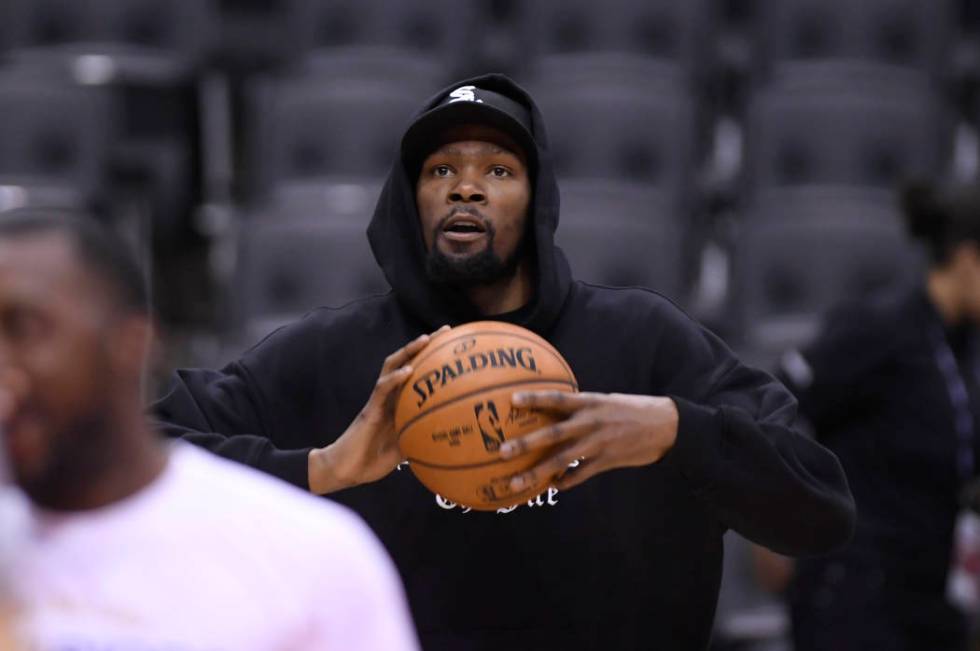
[629, 560]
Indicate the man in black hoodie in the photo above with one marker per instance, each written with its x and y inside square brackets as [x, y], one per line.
[694, 442]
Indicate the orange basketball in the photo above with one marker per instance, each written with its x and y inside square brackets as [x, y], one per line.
[455, 411]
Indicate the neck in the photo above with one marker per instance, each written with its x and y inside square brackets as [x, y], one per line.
[136, 468]
[134, 460]
[941, 288]
[505, 295]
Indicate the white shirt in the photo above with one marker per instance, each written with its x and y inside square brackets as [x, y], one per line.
[13, 516]
[211, 555]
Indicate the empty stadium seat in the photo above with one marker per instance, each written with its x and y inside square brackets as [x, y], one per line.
[622, 132]
[899, 33]
[800, 253]
[142, 55]
[442, 28]
[352, 199]
[315, 128]
[54, 138]
[379, 36]
[258, 34]
[804, 133]
[623, 235]
[665, 33]
[145, 38]
[289, 264]
[381, 64]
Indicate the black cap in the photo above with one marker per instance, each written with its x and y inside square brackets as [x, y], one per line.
[468, 105]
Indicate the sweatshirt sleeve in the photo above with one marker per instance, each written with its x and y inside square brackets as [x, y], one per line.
[738, 448]
[227, 411]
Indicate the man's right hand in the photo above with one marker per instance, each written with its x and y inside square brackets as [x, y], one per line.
[368, 450]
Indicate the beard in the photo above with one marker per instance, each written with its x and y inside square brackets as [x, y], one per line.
[80, 452]
[482, 268]
[82, 444]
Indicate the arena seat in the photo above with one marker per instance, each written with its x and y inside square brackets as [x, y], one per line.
[380, 64]
[54, 139]
[379, 36]
[622, 132]
[664, 33]
[806, 132]
[622, 235]
[799, 254]
[348, 198]
[256, 35]
[288, 264]
[144, 55]
[305, 128]
[139, 39]
[907, 34]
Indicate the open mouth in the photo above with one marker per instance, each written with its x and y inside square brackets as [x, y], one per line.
[463, 227]
[463, 224]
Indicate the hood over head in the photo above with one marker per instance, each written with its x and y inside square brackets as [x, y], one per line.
[396, 235]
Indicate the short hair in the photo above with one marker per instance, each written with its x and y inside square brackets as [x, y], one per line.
[98, 248]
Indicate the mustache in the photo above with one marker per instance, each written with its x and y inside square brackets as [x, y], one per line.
[465, 210]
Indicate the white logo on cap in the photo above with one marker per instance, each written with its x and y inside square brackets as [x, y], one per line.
[464, 94]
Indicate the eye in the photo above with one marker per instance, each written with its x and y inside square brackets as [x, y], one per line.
[441, 170]
[499, 171]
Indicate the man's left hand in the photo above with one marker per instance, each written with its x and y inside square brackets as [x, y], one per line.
[601, 431]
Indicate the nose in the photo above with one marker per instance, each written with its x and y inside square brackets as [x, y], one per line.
[468, 189]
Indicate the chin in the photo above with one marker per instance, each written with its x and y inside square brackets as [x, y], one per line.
[462, 252]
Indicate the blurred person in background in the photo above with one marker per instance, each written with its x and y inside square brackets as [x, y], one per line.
[135, 543]
[891, 386]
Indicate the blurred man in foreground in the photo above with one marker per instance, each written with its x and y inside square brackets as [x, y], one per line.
[136, 544]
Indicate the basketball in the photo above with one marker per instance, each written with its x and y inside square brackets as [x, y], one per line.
[455, 411]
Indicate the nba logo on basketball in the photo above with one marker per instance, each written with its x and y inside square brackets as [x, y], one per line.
[489, 422]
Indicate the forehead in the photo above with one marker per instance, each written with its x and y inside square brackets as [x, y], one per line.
[41, 265]
[483, 138]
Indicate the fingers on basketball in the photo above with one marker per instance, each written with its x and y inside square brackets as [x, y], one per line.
[553, 434]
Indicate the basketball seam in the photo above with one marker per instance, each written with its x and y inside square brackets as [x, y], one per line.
[470, 394]
[468, 466]
[551, 349]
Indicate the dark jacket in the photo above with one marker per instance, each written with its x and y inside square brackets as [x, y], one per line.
[629, 560]
[873, 390]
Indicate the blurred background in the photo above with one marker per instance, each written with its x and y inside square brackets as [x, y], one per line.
[741, 157]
